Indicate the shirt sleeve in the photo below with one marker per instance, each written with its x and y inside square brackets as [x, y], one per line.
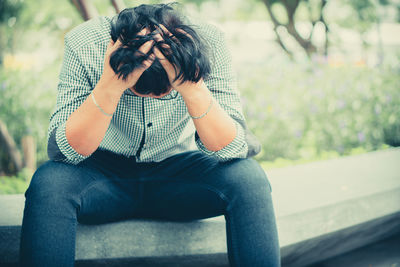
[72, 90]
[223, 85]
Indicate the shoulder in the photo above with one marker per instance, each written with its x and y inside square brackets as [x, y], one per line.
[209, 32]
[93, 31]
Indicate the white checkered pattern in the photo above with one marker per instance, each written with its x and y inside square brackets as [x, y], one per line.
[171, 131]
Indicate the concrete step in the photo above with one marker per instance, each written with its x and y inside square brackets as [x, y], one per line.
[385, 253]
[323, 209]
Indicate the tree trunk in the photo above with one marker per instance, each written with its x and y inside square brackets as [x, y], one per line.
[118, 5]
[10, 147]
[29, 151]
[85, 8]
[290, 26]
[276, 26]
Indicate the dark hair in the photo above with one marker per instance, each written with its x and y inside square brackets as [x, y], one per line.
[188, 52]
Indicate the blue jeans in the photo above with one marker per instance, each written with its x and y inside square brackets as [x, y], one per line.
[188, 186]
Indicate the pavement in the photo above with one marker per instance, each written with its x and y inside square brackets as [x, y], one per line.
[385, 253]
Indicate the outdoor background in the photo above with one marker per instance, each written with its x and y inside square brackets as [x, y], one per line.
[318, 79]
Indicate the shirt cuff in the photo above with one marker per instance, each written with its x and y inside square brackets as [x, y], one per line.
[235, 149]
[66, 149]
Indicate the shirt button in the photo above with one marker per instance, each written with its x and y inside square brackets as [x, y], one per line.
[145, 145]
[149, 124]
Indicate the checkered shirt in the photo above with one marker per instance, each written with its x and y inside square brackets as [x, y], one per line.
[158, 129]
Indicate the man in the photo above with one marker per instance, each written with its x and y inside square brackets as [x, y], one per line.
[147, 125]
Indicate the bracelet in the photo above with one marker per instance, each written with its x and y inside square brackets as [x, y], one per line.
[97, 105]
[205, 113]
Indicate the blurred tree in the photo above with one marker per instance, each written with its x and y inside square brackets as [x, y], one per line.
[9, 10]
[85, 8]
[88, 10]
[288, 25]
[365, 14]
[283, 16]
[10, 157]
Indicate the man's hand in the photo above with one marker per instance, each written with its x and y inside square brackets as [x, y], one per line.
[111, 81]
[171, 70]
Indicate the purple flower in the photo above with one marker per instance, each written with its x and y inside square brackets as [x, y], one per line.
[341, 104]
[319, 93]
[361, 137]
[378, 109]
[313, 108]
[298, 133]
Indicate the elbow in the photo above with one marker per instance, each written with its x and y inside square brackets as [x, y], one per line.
[53, 151]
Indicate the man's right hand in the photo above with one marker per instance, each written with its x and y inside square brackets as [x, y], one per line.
[110, 80]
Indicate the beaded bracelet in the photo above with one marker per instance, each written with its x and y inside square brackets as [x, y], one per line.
[205, 113]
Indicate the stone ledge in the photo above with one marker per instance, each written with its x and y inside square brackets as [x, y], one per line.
[340, 205]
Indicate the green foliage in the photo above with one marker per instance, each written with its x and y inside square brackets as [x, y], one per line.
[15, 184]
[25, 105]
[9, 9]
[302, 111]
[363, 16]
[198, 3]
[48, 15]
[298, 111]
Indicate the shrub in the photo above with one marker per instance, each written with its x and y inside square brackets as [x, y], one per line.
[26, 102]
[300, 111]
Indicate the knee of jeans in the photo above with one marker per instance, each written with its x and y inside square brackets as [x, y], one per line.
[248, 178]
[53, 179]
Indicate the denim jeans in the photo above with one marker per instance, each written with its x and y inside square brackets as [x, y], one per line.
[188, 186]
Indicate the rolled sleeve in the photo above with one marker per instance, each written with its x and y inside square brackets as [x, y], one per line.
[235, 149]
[73, 88]
[222, 84]
[71, 156]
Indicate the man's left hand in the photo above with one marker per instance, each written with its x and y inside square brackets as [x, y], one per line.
[171, 70]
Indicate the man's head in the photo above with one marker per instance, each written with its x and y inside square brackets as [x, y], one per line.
[184, 48]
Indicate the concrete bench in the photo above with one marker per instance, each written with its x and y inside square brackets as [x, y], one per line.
[323, 209]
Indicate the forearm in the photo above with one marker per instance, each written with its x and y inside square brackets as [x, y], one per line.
[87, 125]
[216, 129]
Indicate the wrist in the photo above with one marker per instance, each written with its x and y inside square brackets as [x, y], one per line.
[195, 92]
[108, 91]
[105, 98]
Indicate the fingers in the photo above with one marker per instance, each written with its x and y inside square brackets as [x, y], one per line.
[146, 47]
[145, 65]
[159, 39]
[185, 33]
[169, 68]
[160, 56]
[165, 31]
[112, 46]
[144, 32]
[148, 62]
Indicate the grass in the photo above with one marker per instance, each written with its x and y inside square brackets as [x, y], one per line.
[15, 184]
